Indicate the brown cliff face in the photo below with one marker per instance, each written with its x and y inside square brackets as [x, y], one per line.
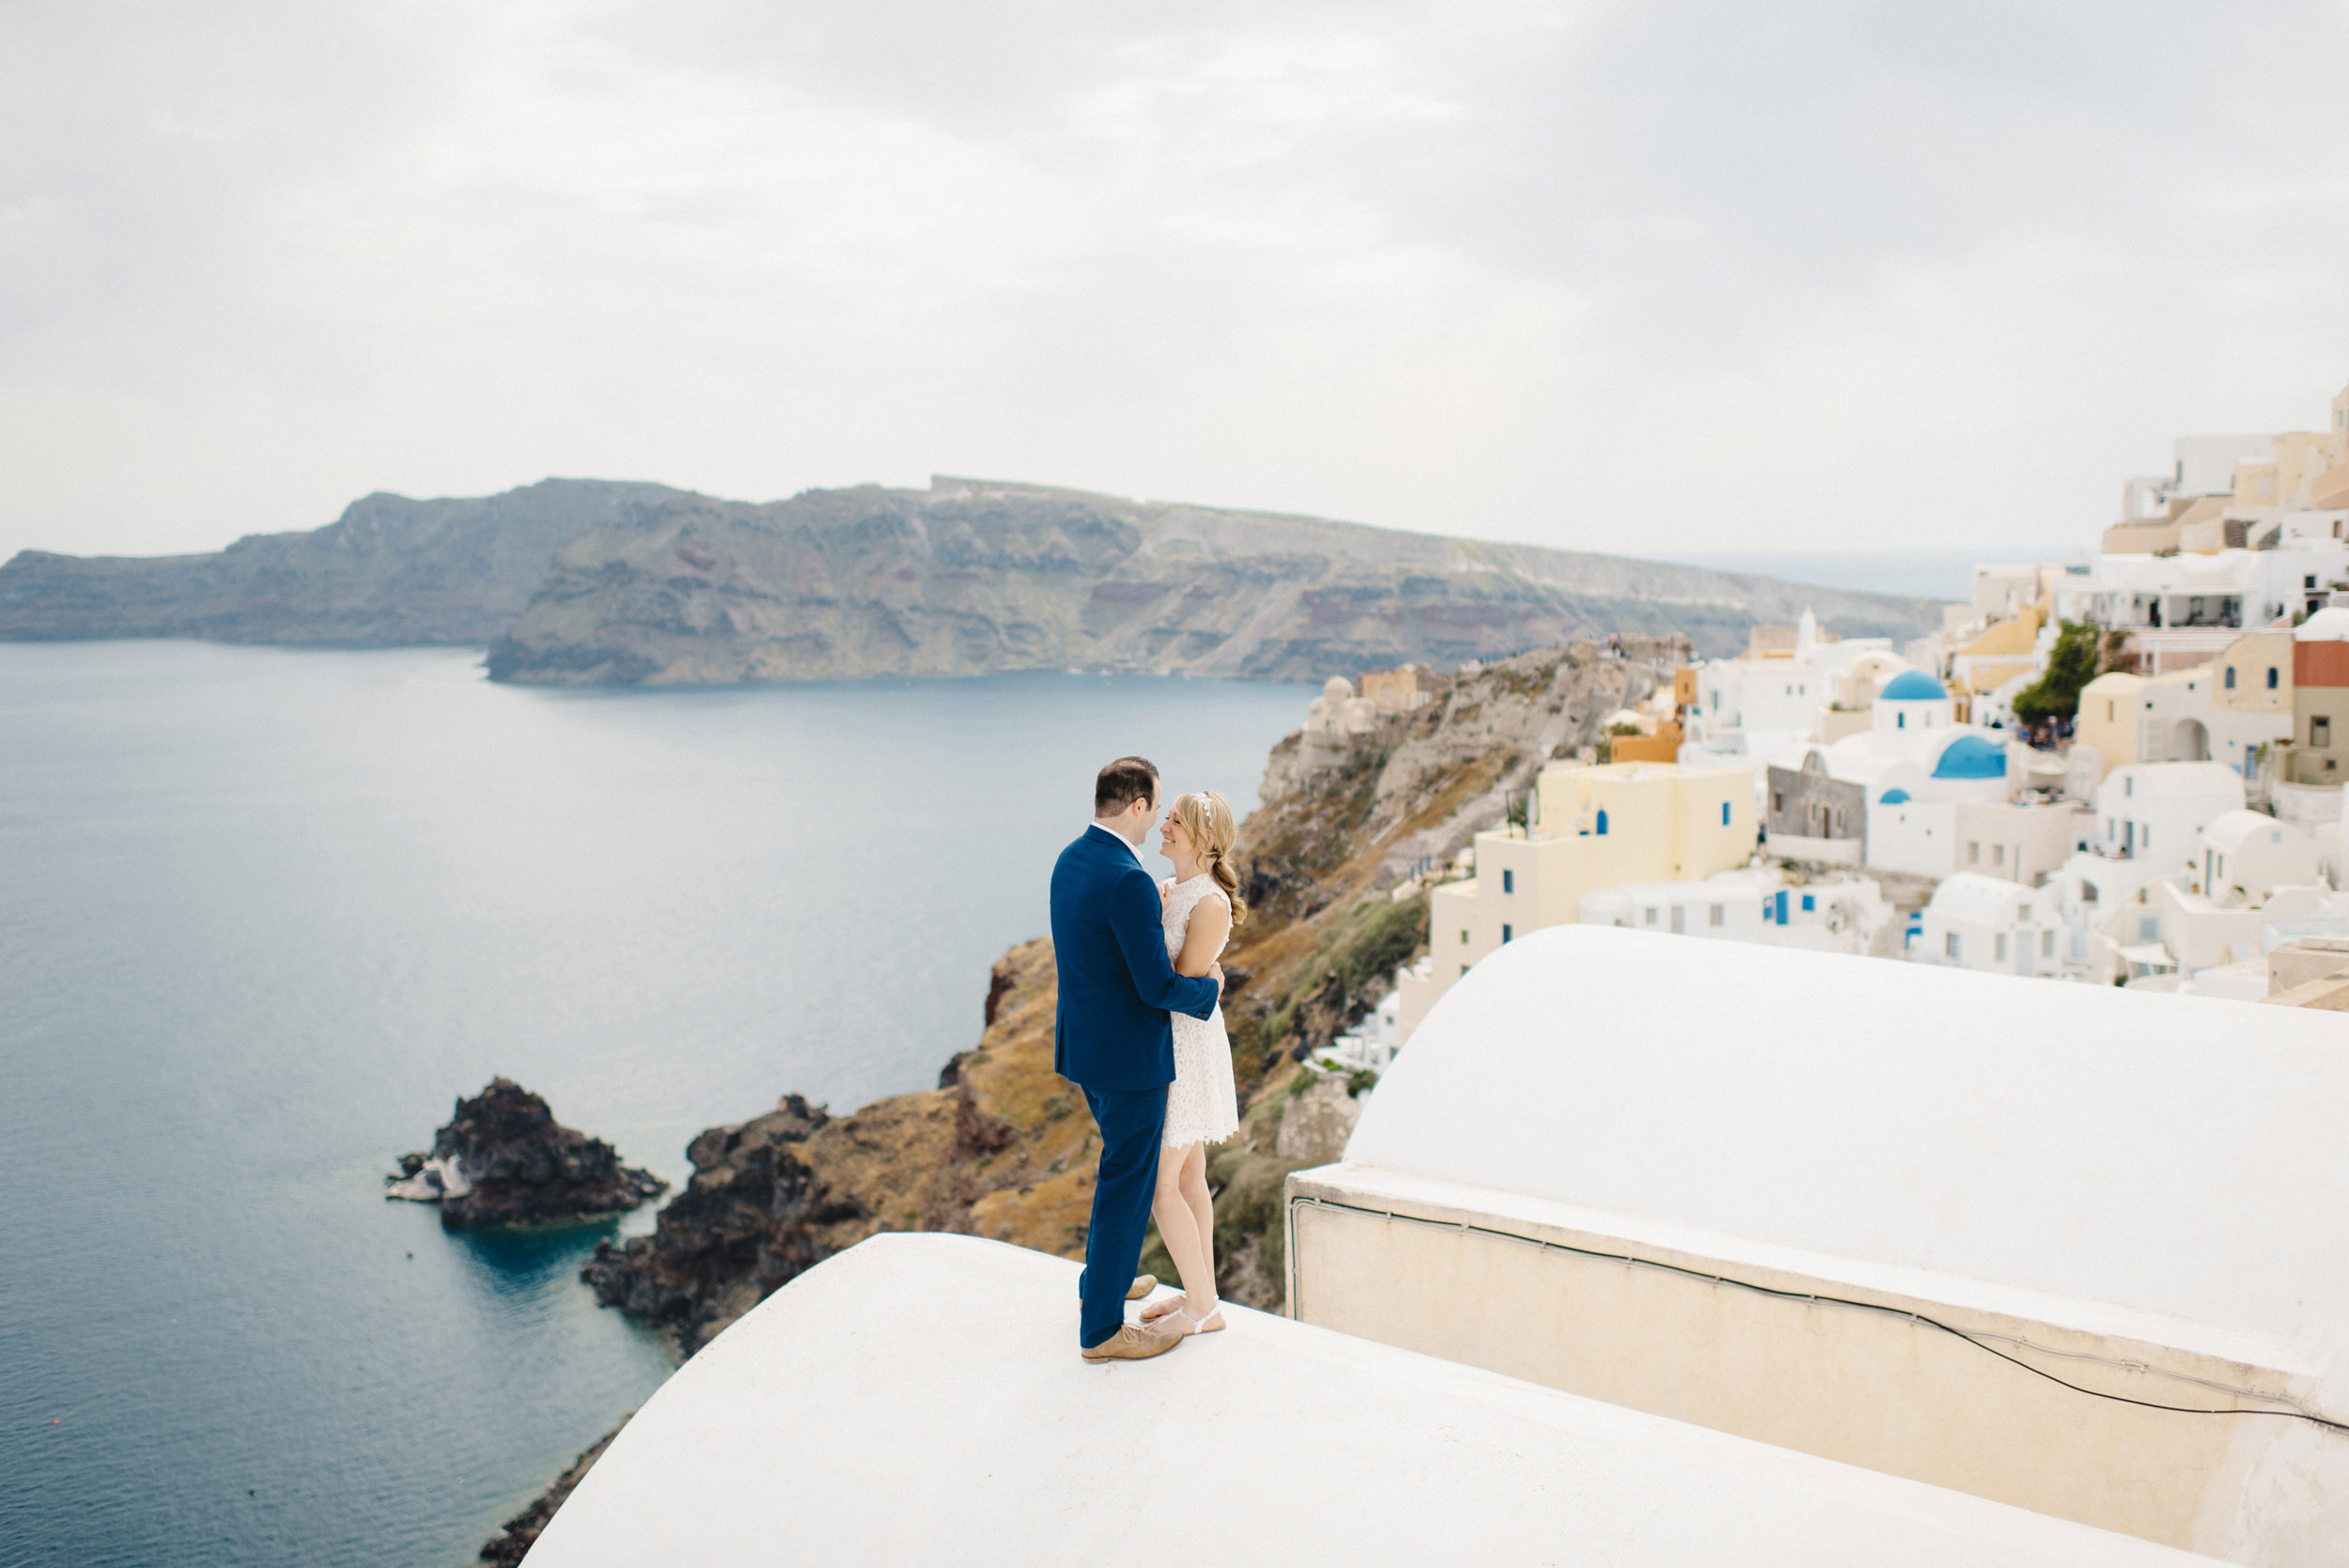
[1000, 1149]
[973, 576]
[1004, 1147]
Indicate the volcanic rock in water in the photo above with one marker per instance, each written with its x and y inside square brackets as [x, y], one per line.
[504, 1159]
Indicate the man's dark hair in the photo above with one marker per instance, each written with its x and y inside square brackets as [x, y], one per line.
[1122, 783]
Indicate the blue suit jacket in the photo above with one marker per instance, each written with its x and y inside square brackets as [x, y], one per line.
[1116, 984]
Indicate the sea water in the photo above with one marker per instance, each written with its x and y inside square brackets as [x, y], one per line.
[265, 913]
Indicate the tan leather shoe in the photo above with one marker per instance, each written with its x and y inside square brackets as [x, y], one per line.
[1131, 1344]
[1143, 1284]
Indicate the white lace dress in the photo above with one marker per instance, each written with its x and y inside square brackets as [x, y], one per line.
[1202, 1106]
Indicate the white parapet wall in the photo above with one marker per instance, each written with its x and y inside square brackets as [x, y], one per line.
[919, 1400]
[1928, 1221]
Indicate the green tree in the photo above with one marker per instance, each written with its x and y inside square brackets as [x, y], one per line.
[2071, 666]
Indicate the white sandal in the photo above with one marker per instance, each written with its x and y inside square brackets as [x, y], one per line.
[1212, 1323]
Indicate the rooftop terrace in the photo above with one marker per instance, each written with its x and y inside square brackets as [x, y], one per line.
[918, 1400]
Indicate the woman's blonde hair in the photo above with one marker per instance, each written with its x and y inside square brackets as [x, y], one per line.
[1207, 817]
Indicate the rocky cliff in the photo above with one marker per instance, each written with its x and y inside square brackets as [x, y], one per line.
[504, 1159]
[1003, 1146]
[589, 583]
[970, 576]
[389, 572]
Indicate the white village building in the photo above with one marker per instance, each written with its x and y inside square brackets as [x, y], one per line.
[2148, 826]
[1749, 709]
[2071, 1247]
[1992, 924]
[1936, 798]
[1840, 913]
[2247, 855]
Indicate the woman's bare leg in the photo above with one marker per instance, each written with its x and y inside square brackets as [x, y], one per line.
[1178, 1225]
[1193, 1177]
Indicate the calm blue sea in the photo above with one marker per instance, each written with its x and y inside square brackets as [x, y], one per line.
[265, 913]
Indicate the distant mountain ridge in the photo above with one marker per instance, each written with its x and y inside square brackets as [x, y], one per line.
[577, 581]
[389, 572]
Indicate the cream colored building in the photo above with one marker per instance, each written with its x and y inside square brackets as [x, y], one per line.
[1400, 690]
[2007, 1240]
[2254, 674]
[2013, 841]
[2192, 714]
[1998, 654]
[2108, 718]
[1591, 827]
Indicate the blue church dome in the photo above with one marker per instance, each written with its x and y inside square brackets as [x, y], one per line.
[1895, 795]
[1912, 686]
[1970, 757]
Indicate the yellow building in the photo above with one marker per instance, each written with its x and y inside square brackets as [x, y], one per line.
[2203, 527]
[2003, 650]
[2141, 536]
[1400, 690]
[2254, 674]
[2255, 482]
[2300, 456]
[1591, 827]
[1663, 746]
[2107, 719]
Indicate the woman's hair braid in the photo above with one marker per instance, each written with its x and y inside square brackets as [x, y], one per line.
[1207, 817]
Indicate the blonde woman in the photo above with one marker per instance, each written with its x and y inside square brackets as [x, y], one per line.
[1201, 903]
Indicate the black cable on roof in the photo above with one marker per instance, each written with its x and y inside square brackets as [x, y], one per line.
[1832, 1301]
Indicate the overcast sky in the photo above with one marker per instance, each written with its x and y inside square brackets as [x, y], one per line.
[1637, 277]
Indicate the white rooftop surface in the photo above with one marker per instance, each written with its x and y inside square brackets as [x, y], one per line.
[2164, 1167]
[2328, 624]
[918, 1399]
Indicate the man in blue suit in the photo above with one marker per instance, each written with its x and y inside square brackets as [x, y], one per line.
[1112, 1037]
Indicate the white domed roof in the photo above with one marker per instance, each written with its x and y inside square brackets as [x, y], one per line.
[2329, 624]
[1337, 689]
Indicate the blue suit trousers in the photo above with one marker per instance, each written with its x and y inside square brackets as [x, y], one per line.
[1131, 1122]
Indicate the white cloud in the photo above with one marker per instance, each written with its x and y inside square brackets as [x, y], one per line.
[1610, 275]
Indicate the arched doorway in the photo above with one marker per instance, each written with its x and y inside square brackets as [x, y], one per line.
[2189, 741]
